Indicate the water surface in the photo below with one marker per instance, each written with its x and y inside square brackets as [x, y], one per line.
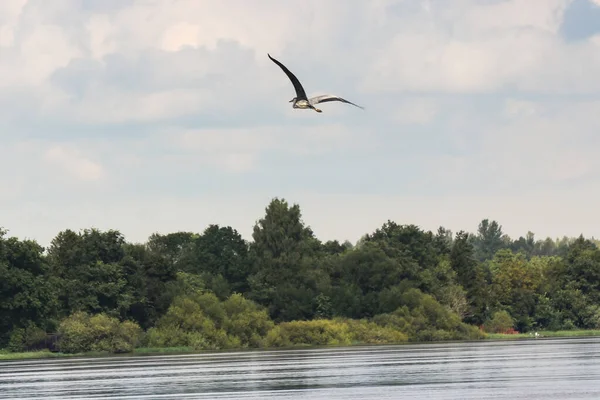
[529, 369]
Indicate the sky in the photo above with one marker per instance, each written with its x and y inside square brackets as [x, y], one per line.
[158, 116]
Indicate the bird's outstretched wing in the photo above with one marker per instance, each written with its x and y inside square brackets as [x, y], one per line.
[300, 93]
[330, 97]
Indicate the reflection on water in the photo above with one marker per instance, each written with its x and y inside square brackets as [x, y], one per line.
[533, 369]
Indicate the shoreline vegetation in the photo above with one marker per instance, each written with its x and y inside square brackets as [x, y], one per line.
[93, 293]
[151, 351]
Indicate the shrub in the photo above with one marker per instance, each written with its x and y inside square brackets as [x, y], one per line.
[81, 332]
[364, 331]
[332, 332]
[315, 332]
[201, 321]
[246, 321]
[30, 337]
[423, 318]
[500, 322]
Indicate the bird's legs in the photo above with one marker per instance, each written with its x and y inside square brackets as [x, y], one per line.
[316, 109]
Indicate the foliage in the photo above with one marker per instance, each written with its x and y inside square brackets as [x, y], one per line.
[368, 332]
[214, 289]
[331, 332]
[315, 332]
[423, 318]
[81, 332]
[202, 321]
[27, 289]
[29, 337]
[500, 322]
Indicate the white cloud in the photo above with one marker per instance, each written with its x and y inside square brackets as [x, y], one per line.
[545, 15]
[532, 150]
[39, 53]
[141, 97]
[72, 162]
[238, 150]
[416, 111]
[493, 46]
[112, 106]
[171, 24]
[9, 15]
[179, 35]
[102, 39]
[515, 108]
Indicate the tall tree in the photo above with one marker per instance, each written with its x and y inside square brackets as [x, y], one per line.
[286, 276]
[27, 291]
[583, 267]
[171, 246]
[514, 285]
[410, 240]
[489, 240]
[220, 254]
[470, 276]
[525, 245]
[89, 269]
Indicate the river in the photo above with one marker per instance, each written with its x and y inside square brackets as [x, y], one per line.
[524, 369]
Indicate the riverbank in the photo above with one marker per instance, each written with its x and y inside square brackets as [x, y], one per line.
[542, 334]
[43, 354]
[7, 355]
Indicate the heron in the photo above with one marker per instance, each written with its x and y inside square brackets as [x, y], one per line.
[301, 101]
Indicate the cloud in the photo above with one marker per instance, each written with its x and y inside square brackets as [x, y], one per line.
[73, 163]
[530, 151]
[416, 111]
[486, 47]
[240, 150]
[168, 115]
[514, 108]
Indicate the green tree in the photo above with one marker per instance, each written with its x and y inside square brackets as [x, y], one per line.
[286, 275]
[489, 240]
[500, 322]
[158, 274]
[220, 256]
[514, 286]
[443, 240]
[583, 267]
[471, 276]
[525, 245]
[171, 246]
[27, 291]
[421, 246]
[88, 266]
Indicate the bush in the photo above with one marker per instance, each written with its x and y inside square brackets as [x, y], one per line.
[190, 322]
[82, 332]
[592, 317]
[31, 337]
[423, 318]
[201, 321]
[501, 322]
[339, 331]
[315, 332]
[364, 331]
[246, 321]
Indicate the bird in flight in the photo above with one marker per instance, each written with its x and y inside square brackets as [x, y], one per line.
[301, 101]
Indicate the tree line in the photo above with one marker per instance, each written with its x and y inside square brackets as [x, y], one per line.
[214, 289]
